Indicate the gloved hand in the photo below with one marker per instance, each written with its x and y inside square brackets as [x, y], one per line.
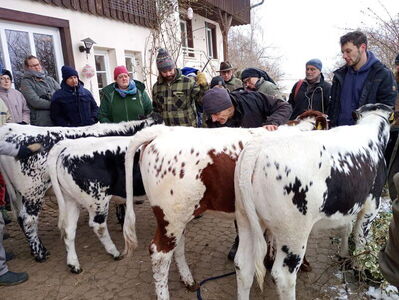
[26, 151]
[201, 79]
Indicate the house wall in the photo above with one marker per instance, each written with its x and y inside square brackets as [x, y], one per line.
[113, 36]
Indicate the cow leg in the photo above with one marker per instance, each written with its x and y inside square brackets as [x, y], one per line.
[289, 256]
[363, 222]
[345, 233]
[70, 223]
[182, 266]
[244, 262]
[98, 220]
[28, 218]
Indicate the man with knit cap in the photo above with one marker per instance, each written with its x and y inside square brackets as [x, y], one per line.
[72, 105]
[175, 96]
[312, 92]
[255, 79]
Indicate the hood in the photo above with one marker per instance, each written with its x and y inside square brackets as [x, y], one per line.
[371, 60]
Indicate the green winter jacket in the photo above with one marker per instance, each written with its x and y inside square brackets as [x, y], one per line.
[178, 100]
[233, 84]
[114, 108]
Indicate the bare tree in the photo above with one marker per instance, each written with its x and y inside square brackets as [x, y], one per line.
[246, 49]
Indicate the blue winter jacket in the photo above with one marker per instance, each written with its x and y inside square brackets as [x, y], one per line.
[73, 107]
[378, 87]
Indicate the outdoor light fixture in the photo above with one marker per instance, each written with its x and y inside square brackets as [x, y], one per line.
[190, 13]
[88, 45]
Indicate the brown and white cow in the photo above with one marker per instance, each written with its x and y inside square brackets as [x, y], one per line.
[185, 172]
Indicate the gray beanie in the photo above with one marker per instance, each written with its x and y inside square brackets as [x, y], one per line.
[315, 63]
[216, 100]
[164, 61]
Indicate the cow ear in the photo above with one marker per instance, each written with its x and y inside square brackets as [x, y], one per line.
[321, 123]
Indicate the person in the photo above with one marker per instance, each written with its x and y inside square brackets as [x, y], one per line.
[255, 79]
[226, 71]
[310, 93]
[364, 79]
[124, 99]
[15, 101]
[72, 105]
[388, 257]
[175, 96]
[38, 88]
[8, 277]
[244, 109]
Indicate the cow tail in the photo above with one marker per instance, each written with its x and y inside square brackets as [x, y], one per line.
[245, 203]
[129, 227]
[52, 160]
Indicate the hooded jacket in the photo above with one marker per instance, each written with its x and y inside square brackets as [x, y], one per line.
[350, 89]
[73, 106]
[16, 104]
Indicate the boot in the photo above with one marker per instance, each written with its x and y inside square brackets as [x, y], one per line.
[12, 278]
[233, 249]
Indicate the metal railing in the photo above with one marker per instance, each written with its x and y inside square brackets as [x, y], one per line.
[200, 60]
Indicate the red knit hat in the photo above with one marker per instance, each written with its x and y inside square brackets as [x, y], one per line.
[120, 70]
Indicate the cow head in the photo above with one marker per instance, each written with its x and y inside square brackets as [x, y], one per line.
[379, 109]
[320, 120]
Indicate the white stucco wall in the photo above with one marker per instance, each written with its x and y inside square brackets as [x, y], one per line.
[113, 36]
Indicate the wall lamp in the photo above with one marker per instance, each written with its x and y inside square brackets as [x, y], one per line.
[88, 45]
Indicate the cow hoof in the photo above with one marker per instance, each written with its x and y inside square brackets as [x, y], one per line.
[119, 257]
[40, 258]
[192, 287]
[74, 269]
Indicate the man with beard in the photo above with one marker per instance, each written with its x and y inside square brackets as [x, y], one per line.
[175, 96]
[364, 79]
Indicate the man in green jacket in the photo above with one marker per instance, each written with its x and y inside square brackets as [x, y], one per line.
[226, 72]
[175, 96]
[255, 79]
[123, 100]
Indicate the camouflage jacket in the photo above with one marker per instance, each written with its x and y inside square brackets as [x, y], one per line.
[233, 84]
[177, 101]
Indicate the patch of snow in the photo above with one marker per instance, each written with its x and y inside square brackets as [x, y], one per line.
[390, 293]
[386, 205]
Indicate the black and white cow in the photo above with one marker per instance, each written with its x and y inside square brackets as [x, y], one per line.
[28, 180]
[288, 185]
[89, 172]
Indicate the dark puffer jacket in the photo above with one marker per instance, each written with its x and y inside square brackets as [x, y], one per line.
[379, 87]
[314, 96]
[73, 106]
[255, 109]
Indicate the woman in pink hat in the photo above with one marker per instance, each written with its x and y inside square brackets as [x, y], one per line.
[124, 100]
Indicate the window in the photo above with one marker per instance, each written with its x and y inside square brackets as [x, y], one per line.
[130, 62]
[183, 31]
[210, 36]
[102, 68]
[19, 40]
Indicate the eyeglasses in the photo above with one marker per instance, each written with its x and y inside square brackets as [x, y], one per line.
[5, 79]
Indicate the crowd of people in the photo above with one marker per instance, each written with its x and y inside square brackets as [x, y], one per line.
[183, 97]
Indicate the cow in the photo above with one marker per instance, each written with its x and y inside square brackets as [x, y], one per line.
[187, 171]
[27, 180]
[336, 178]
[89, 172]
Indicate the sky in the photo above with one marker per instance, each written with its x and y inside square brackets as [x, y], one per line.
[297, 31]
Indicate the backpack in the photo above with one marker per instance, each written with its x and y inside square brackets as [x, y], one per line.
[297, 87]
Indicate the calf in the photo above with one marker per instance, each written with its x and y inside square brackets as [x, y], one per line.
[185, 172]
[88, 172]
[28, 180]
[338, 179]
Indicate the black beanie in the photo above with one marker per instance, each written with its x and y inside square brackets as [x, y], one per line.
[217, 80]
[250, 72]
[216, 100]
[6, 72]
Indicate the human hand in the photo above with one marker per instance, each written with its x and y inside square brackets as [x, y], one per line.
[270, 127]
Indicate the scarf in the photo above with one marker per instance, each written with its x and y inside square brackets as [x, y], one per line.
[37, 74]
[131, 89]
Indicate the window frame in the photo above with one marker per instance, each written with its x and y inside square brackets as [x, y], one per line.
[211, 42]
[107, 73]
